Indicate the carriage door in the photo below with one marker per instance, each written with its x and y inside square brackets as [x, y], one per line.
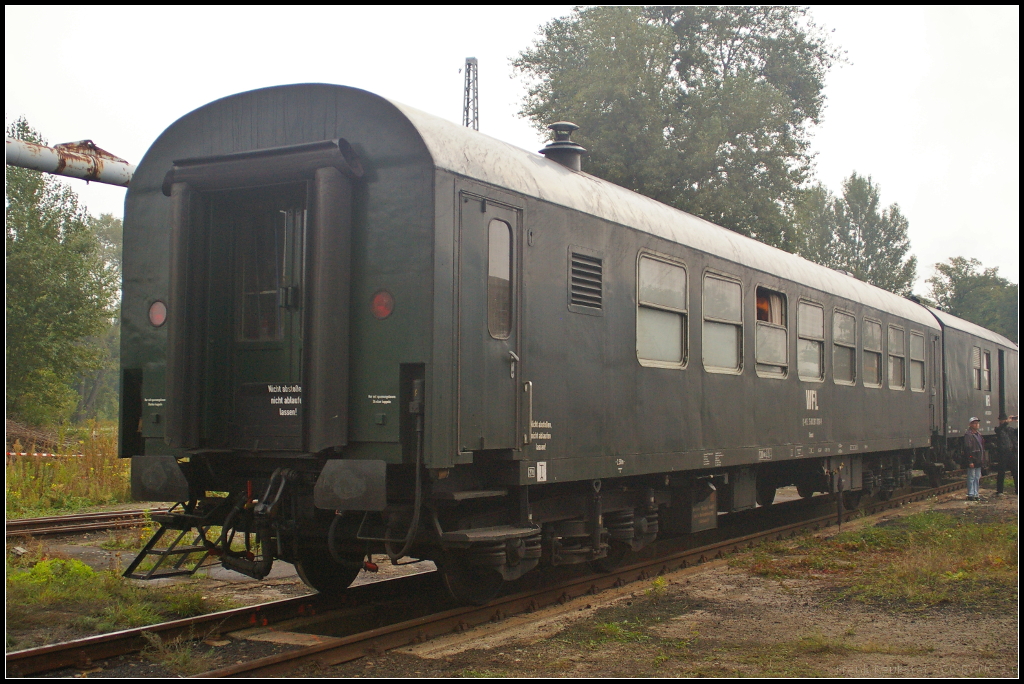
[266, 231]
[489, 368]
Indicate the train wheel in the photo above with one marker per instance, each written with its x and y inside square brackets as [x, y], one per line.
[617, 555]
[468, 583]
[318, 570]
[851, 499]
[804, 489]
[765, 492]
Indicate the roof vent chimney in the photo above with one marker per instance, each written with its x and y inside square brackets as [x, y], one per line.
[562, 150]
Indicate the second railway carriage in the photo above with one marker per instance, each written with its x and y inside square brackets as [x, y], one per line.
[979, 372]
[350, 326]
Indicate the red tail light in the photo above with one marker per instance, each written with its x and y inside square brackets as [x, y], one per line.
[157, 313]
[382, 304]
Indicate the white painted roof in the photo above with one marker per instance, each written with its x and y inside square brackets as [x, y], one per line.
[950, 321]
[466, 152]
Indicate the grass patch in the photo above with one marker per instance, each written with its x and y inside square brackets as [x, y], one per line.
[621, 632]
[812, 655]
[917, 561]
[130, 538]
[69, 591]
[182, 656]
[46, 485]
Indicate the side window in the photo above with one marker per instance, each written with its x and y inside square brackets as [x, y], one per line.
[872, 354]
[844, 348]
[771, 337]
[976, 366]
[722, 339]
[897, 358]
[810, 349]
[661, 313]
[499, 279]
[986, 371]
[917, 363]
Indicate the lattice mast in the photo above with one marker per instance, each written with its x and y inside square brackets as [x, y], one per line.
[471, 96]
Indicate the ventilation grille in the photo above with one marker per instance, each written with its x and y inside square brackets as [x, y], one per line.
[585, 284]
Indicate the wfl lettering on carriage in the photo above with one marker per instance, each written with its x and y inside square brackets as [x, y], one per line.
[811, 397]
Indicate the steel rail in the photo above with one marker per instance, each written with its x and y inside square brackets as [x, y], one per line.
[344, 649]
[84, 652]
[72, 524]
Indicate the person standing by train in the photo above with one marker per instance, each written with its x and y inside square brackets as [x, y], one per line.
[1006, 453]
[974, 452]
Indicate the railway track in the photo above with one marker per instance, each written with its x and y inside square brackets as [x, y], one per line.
[336, 650]
[73, 524]
[348, 648]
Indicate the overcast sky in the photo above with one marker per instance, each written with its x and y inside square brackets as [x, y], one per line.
[927, 104]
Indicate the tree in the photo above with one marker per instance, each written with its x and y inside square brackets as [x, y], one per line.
[60, 292]
[97, 386]
[816, 230]
[702, 108]
[853, 233]
[964, 288]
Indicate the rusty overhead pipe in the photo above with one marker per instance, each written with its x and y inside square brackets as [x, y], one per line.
[80, 159]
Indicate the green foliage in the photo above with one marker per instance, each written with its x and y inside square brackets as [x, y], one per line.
[703, 108]
[964, 288]
[98, 387]
[620, 631]
[56, 574]
[91, 601]
[60, 292]
[921, 560]
[182, 655]
[854, 233]
[40, 486]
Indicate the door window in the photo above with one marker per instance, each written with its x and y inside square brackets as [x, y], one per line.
[499, 279]
[917, 362]
[268, 252]
[259, 244]
[976, 366]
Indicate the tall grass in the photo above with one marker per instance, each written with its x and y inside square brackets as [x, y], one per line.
[49, 485]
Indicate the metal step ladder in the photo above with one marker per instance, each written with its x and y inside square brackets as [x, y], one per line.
[178, 559]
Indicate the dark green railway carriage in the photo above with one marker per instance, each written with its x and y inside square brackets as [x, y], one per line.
[372, 328]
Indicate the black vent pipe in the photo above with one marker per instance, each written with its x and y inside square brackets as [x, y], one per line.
[562, 149]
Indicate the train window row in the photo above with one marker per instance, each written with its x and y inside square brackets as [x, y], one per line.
[662, 332]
